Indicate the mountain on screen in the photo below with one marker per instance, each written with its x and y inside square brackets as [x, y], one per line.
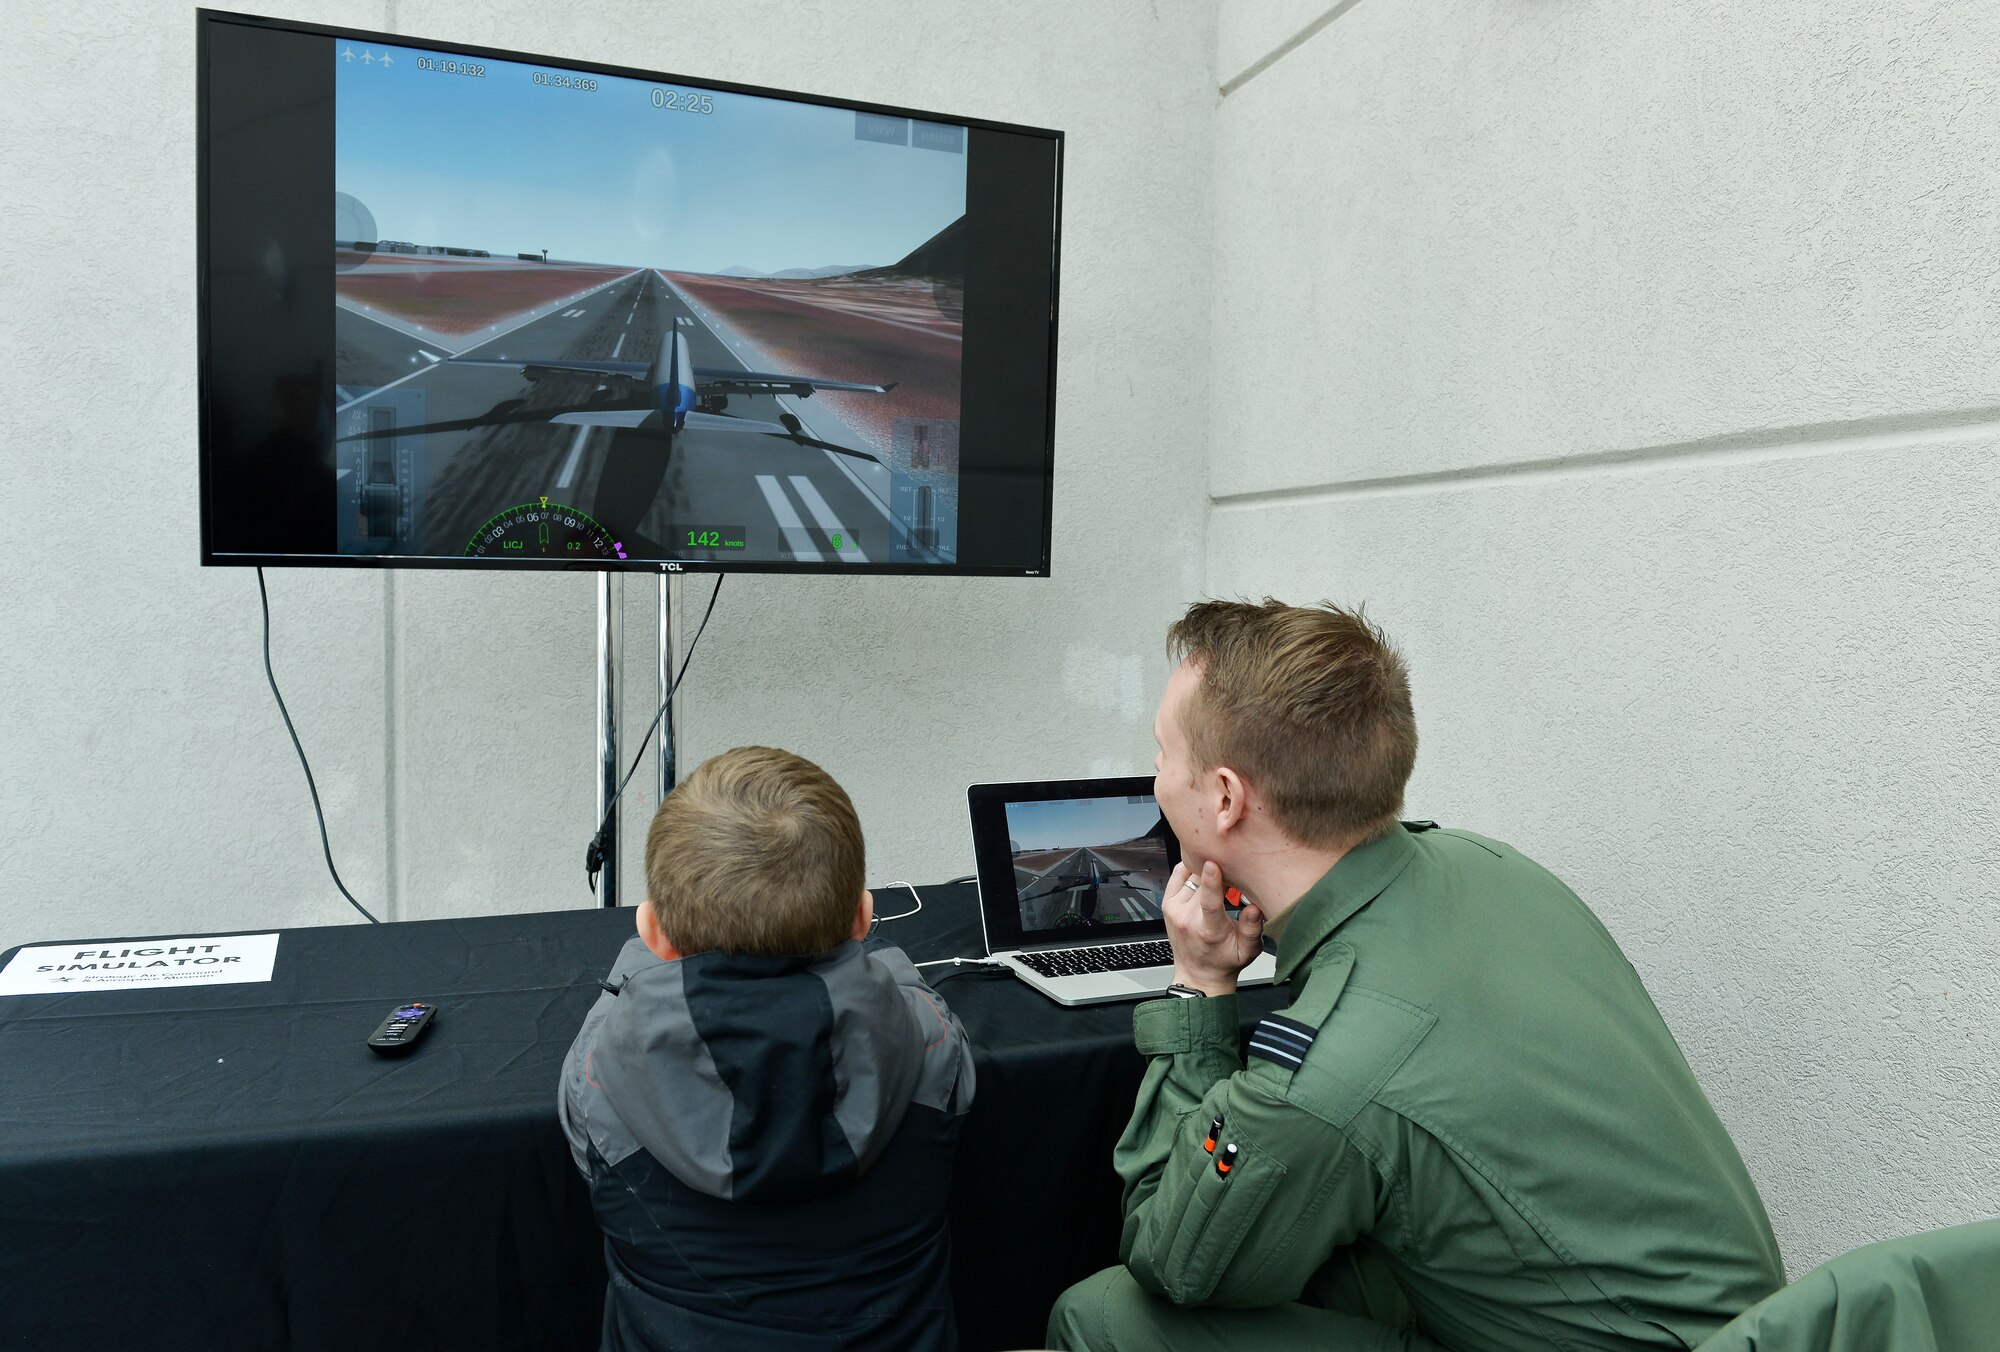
[837, 270]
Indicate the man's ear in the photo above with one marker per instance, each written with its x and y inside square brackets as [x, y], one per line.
[1232, 801]
[652, 936]
[864, 916]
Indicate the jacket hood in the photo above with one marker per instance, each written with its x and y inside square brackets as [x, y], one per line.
[756, 1077]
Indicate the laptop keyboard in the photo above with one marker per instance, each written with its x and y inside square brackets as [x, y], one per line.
[1110, 958]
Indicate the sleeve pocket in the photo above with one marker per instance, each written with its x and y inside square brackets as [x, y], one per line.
[1215, 1221]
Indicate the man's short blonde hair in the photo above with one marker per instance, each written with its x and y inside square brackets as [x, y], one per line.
[1309, 704]
[757, 851]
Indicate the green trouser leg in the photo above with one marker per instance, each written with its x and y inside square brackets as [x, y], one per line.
[1111, 1313]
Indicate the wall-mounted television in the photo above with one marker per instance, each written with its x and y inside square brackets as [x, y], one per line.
[464, 307]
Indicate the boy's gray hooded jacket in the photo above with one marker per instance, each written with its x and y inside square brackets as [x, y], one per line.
[769, 1147]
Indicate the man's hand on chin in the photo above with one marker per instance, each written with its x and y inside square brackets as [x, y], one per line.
[1210, 947]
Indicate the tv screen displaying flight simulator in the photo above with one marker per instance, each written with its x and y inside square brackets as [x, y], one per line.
[478, 309]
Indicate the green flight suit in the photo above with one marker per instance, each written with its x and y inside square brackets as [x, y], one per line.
[1469, 1130]
[1938, 1291]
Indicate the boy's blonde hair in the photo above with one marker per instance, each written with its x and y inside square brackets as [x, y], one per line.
[757, 851]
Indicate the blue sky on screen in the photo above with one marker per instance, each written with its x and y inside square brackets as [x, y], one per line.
[503, 164]
[1069, 822]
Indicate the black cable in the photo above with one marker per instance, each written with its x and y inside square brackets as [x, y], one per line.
[265, 599]
[970, 969]
[593, 854]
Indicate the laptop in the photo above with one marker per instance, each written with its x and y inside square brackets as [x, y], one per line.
[1071, 875]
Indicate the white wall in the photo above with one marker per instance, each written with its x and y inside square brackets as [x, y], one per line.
[1637, 365]
[148, 782]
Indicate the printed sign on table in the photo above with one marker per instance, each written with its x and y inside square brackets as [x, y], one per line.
[132, 964]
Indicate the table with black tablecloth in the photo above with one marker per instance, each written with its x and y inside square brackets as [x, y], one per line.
[231, 1167]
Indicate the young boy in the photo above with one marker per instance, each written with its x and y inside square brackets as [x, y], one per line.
[766, 1110]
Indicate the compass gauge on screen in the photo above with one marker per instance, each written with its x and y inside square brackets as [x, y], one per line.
[543, 530]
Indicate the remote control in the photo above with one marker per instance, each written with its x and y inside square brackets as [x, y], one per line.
[405, 1024]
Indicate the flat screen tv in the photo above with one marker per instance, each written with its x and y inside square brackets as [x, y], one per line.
[463, 307]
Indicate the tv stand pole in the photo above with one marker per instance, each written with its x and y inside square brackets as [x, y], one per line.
[610, 593]
[670, 597]
[610, 599]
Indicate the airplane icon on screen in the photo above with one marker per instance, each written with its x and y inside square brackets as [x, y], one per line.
[667, 395]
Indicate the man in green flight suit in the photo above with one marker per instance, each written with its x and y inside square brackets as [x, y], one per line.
[1469, 1130]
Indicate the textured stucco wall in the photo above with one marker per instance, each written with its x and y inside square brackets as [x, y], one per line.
[149, 785]
[1637, 366]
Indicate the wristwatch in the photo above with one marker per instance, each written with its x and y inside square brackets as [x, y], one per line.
[1186, 992]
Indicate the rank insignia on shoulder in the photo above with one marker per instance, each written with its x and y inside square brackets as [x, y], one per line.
[1282, 1040]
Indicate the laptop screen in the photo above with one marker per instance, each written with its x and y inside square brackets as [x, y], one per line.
[1070, 860]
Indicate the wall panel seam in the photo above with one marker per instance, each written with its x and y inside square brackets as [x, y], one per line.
[1285, 48]
[1893, 432]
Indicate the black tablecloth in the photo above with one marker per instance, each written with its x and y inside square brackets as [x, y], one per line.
[231, 1167]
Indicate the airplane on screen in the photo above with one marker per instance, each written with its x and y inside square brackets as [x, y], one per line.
[1086, 884]
[667, 395]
